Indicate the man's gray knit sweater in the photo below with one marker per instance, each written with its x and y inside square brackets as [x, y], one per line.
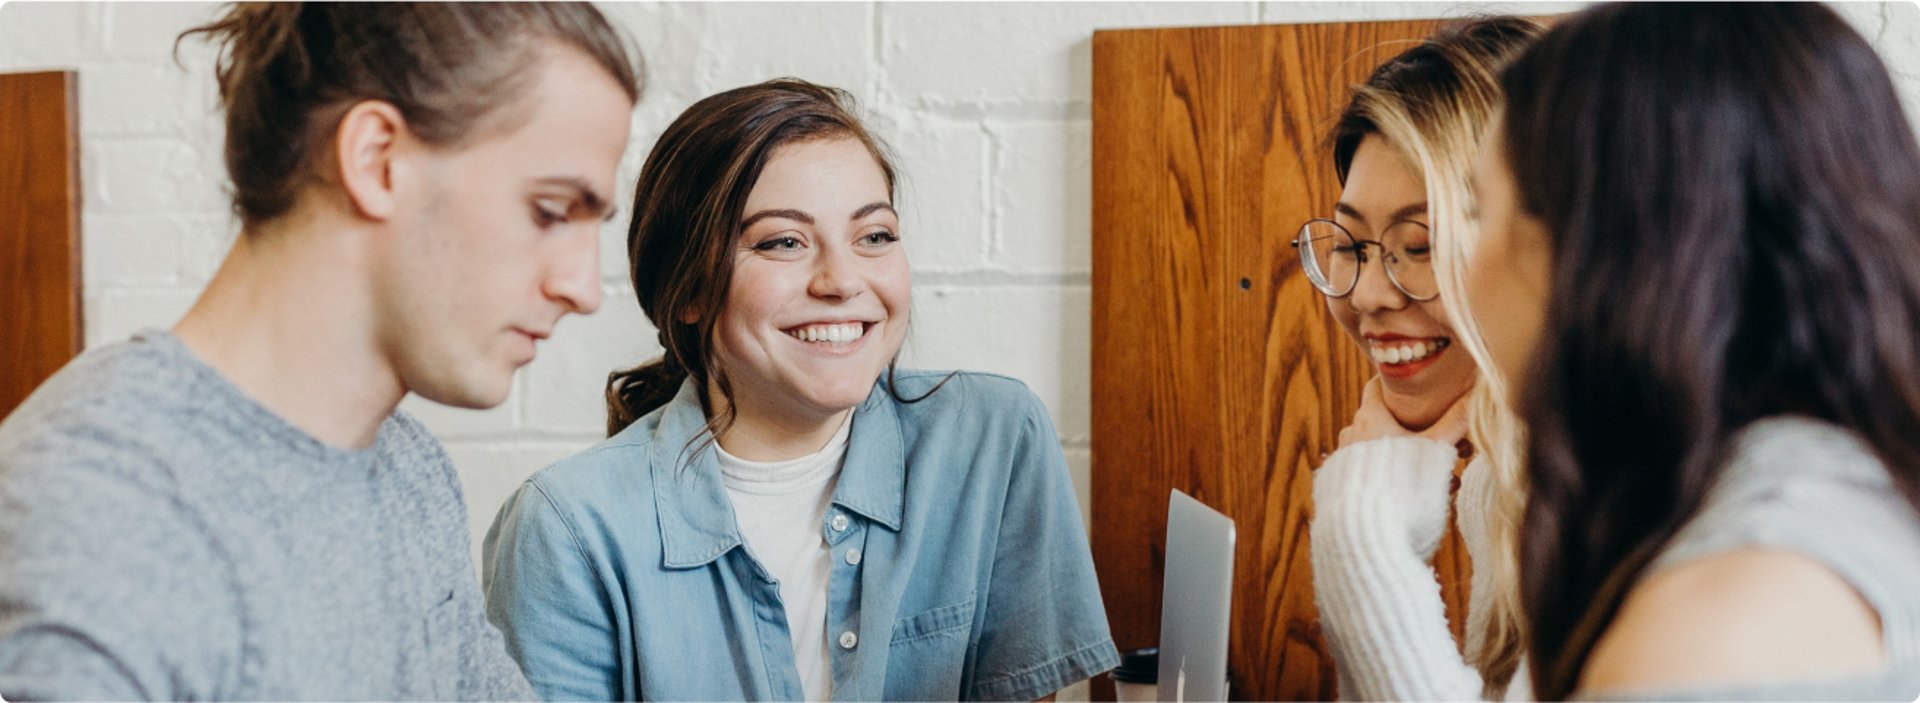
[163, 536]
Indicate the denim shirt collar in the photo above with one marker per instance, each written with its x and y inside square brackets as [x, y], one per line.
[697, 522]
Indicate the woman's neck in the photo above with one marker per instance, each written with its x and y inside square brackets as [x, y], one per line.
[758, 434]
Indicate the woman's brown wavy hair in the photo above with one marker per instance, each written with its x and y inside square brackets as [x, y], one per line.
[687, 207]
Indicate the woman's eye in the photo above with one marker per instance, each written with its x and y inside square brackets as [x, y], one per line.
[548, 215]
[879, 237]
[778, 244]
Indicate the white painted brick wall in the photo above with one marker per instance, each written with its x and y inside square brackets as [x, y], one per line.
[987, 106]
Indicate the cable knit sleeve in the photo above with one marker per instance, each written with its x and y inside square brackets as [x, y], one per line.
[1380, 510]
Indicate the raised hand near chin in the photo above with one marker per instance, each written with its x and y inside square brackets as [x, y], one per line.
[1374, 421]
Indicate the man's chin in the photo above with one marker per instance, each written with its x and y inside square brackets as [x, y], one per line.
[470, 395]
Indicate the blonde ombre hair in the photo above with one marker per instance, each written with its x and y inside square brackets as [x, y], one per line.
[1434, 103]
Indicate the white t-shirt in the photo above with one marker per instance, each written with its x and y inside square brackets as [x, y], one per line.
[782, 507]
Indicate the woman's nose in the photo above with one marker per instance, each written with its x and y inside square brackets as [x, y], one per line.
[835, 278]
[1374, 291]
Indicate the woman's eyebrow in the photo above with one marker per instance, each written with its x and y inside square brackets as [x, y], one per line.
[1398, 215]
[1348, 210]
[783, 213]
[1419, 208]
[873, 207]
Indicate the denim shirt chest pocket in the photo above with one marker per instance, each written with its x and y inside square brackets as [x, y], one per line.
[928, 654]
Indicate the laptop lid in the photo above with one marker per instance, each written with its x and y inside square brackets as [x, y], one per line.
[1195, 602]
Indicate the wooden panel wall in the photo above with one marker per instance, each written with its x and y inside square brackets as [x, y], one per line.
[40, 326]
[1216, 368]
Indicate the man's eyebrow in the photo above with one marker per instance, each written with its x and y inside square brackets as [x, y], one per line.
[795, 215]
[590, 198]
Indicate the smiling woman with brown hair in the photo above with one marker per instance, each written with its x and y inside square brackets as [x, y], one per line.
[780, 513]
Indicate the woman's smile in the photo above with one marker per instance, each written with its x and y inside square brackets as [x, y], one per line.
[1404, 357]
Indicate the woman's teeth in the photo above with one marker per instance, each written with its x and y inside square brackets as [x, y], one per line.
[829, 334]
[1401, 352]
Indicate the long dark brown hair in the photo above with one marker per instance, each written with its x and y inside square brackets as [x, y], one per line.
[1732, 194]
[687, 207]
[289, 71]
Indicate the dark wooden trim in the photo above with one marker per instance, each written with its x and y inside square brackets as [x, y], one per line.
[40, 313]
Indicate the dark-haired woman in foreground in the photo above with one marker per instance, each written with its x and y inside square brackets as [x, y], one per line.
[1700, 267]
[779, 514]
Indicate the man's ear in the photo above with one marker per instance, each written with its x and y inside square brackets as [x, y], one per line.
[364, 146]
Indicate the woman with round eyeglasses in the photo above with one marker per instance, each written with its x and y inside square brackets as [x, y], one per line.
[1387, 263]
[1381, 286]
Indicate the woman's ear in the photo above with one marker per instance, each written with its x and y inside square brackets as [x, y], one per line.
[364, 149]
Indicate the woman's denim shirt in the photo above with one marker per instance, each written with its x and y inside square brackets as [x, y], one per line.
[960, 564]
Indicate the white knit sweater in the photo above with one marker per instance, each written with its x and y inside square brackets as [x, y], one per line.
[1380, 510]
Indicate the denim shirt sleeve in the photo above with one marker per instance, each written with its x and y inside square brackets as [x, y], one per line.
[1045, 626]
[544, 596]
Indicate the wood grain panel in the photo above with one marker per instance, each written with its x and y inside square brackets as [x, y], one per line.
[1216, 367]
[40, 326]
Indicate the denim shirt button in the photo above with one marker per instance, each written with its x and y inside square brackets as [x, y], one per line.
[853, 555]
[839, 522]
[848, 639]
